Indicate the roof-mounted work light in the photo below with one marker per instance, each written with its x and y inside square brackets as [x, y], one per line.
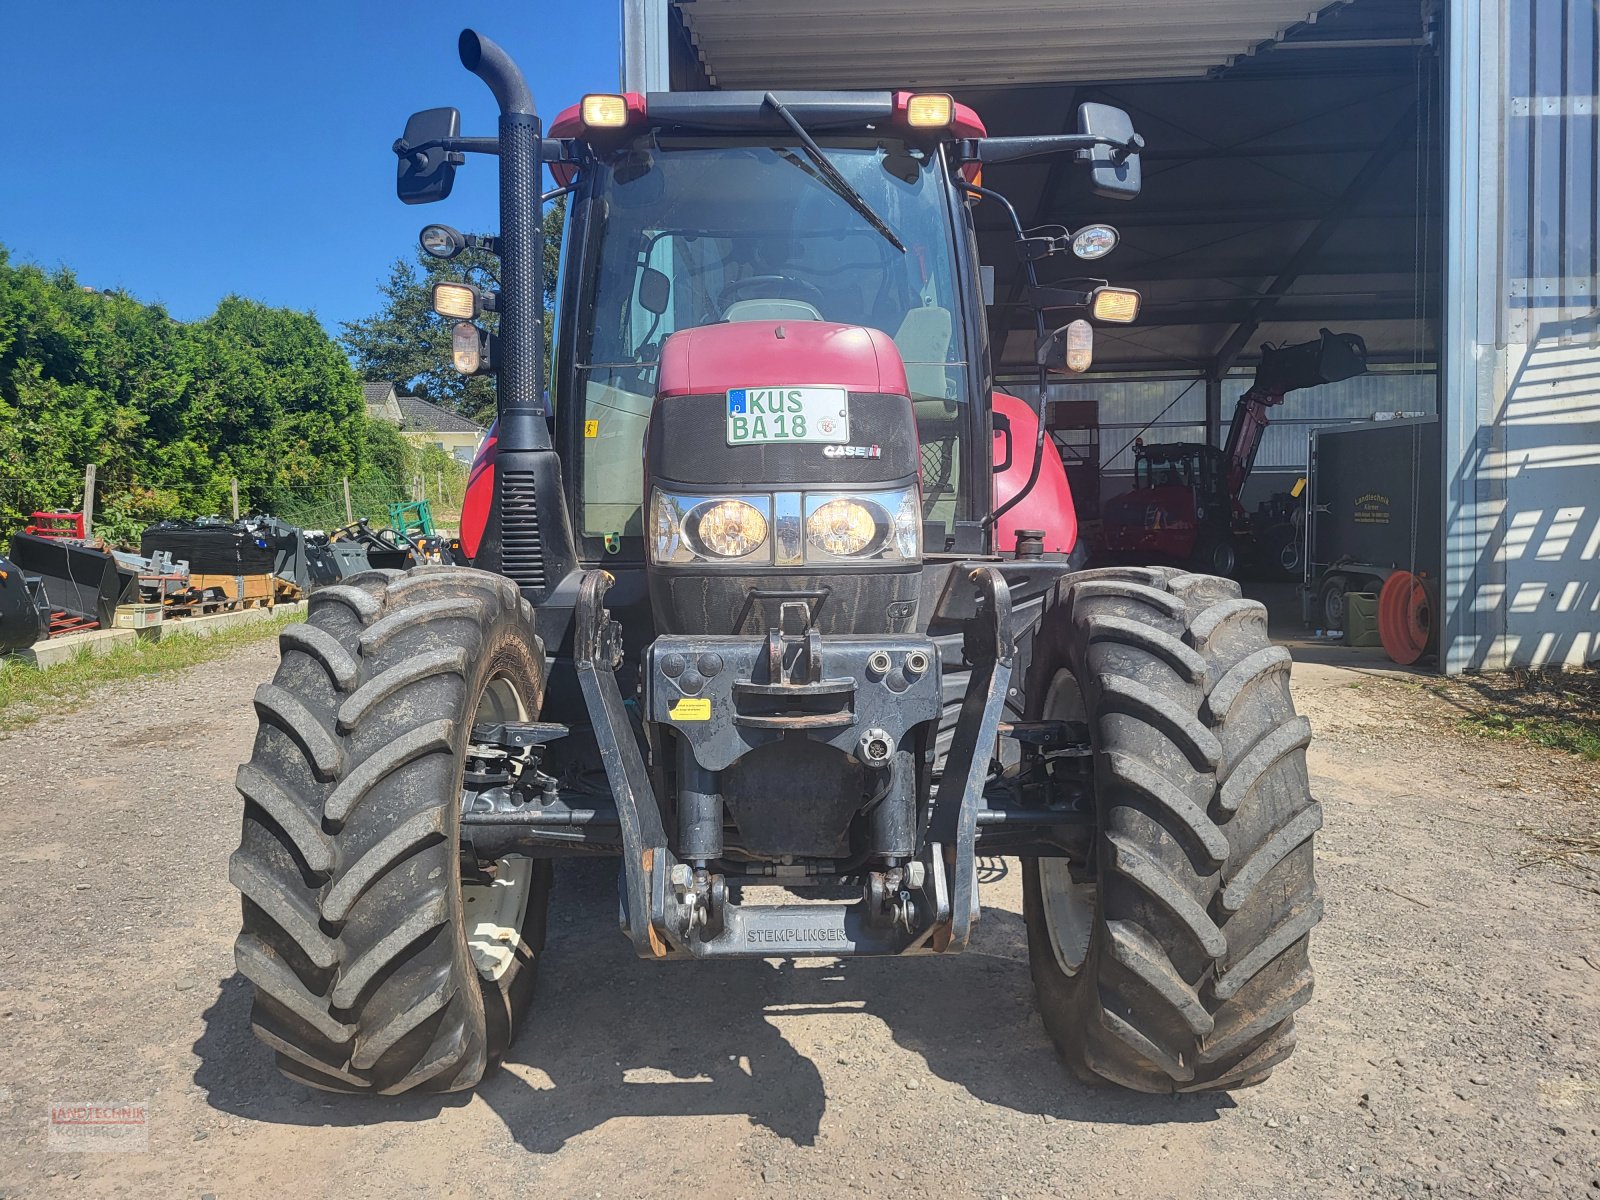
[930, 110]
[605, 111]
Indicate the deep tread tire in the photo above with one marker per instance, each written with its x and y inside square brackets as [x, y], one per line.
[348, 865]
[1197, 958]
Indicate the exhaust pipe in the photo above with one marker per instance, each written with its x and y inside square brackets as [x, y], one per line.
[519, 384]
[529, 535]
[490, 63]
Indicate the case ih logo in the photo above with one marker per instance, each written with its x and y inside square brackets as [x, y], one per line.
[853, 451]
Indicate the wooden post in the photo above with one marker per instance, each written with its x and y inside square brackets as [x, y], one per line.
[233, 487]
[349, 513]
[438, 486]
[88, 501]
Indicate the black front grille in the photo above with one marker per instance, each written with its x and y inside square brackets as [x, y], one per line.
[521, 547]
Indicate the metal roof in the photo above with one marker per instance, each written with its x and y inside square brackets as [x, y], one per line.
[968, 43]
[1290, 176]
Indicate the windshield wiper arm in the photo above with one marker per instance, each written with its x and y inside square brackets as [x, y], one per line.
[830, 174]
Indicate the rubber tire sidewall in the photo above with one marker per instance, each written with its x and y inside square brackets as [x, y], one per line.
[1068, 1004]
[508, 646]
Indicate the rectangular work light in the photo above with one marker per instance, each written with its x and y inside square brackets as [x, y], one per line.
[930, 110]
[605, 111]
[455, 300]
[1120, 306]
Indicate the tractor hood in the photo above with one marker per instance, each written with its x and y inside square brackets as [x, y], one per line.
[782, 471]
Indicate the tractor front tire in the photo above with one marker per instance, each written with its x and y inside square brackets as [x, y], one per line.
[1176, 959]
[377, 967]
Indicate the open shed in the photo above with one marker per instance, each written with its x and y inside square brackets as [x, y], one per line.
[1420, 172]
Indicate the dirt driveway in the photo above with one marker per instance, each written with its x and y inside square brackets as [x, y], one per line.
[1453, 1047]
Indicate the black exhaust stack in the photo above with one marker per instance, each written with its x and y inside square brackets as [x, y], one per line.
[529, 535]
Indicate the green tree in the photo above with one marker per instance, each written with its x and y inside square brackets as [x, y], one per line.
[170, 413]
[407, 344]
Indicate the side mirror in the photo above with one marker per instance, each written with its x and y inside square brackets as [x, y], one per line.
[1113, 171]
[654, 290]
[426, 170]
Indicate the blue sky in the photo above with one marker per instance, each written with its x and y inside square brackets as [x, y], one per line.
[186, 150]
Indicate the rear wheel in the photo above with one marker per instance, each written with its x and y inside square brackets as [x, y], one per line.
[1176, 958]
[1330, 601]
[380, 961]
[1217, 555]
[1282, 551]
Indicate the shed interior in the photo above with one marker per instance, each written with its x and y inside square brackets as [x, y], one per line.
[1292, 182]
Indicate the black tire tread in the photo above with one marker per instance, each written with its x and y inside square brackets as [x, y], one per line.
[347, 863]
[1198, 961]
[1158, 790]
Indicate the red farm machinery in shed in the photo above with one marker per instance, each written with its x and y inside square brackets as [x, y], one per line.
[1187, 500]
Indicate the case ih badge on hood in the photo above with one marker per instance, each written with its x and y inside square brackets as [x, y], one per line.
[691, 643]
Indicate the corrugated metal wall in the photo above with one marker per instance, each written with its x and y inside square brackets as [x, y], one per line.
[1522, 370]
[1173, 409]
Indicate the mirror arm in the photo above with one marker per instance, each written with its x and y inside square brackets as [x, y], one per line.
[1010, 149]
[1055, 297]
[556, 150]
[458, 145]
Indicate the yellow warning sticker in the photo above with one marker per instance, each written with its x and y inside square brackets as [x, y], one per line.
[591, 429]
[690, 708]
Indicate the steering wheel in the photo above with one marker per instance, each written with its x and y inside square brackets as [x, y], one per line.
[769, 287]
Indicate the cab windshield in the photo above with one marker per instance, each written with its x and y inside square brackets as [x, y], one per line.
[683, 233]
[1159, 471]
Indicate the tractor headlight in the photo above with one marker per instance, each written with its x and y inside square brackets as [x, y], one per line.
[844, 527]
[886, 526]
[838, 528]
[727, 528]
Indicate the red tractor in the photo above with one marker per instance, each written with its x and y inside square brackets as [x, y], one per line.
[1186, 503]
[749, 604]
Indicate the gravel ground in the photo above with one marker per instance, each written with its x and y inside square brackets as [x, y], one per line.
[1451, 1049]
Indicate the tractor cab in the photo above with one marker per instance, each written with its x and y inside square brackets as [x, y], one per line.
[1196, 469]
[672, 228]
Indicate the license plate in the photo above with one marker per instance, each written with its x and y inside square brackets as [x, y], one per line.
[788, 414]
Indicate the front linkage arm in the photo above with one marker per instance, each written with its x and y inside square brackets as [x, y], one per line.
[597, 651]
[990, 646]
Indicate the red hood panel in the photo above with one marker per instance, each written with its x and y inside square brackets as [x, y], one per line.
[714, 358]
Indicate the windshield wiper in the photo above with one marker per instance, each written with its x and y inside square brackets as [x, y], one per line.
[830, 174]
